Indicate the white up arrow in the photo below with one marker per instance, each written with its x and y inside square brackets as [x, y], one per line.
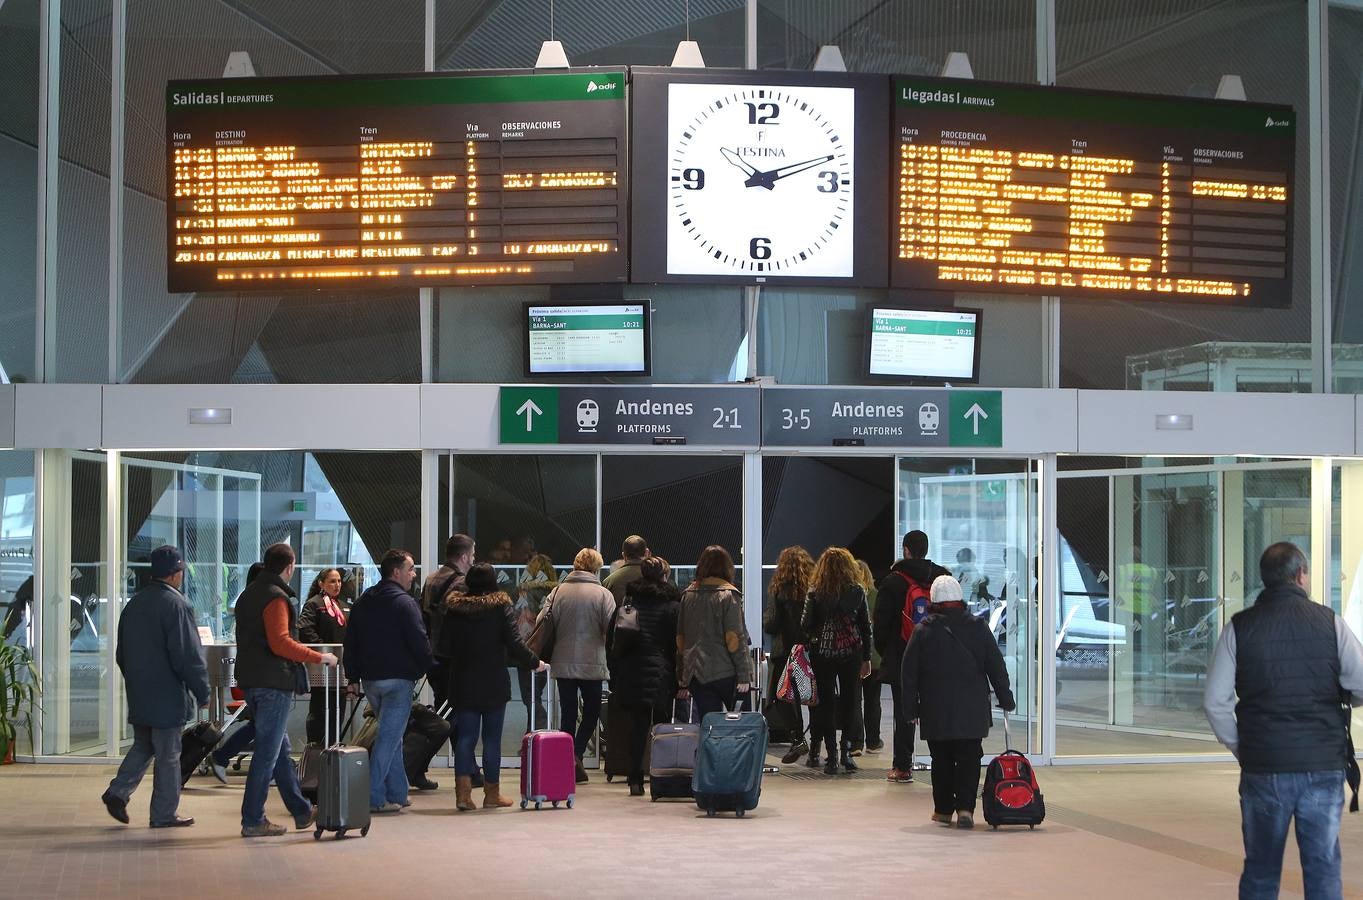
[529, 409]
[977, 412]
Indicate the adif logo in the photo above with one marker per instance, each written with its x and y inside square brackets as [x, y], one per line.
[1270, 122]
[603, 86]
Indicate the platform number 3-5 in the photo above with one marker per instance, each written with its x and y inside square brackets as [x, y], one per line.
[791, 418]
[725, 418]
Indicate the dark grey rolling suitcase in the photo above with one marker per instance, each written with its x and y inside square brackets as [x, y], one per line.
[672, 758]
[342, 782]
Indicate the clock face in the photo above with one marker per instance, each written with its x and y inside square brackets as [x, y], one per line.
[760, 180]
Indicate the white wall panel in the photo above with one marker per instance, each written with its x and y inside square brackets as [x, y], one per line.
[1223, 424]
[63, 416]
[459, 416]
[1036, 420]
[264, 416]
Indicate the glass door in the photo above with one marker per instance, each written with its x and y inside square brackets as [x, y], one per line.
[980, 516]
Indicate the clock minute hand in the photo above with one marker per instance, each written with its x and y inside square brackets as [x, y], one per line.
[794, 168]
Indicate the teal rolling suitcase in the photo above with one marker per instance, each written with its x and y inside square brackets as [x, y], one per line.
[733, 749]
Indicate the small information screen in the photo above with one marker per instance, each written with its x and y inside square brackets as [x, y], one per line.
[1065, 192]
[413, 180]
[936, 345]
[582, 339]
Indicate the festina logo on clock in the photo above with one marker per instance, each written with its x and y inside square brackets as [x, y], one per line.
[760, 180]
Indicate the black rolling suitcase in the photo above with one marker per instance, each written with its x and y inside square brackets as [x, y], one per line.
[342, 780]
[426, 733]
[196, 743]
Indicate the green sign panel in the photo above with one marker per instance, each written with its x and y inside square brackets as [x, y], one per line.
[529, 415]
[976, 419]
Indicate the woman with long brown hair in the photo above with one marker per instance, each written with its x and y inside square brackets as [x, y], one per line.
[713, 665]
[781, 619]
[839, 629]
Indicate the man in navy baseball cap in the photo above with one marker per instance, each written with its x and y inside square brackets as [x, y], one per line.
[164, 672]
[166, 561]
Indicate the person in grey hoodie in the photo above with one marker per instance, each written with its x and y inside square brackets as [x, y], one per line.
[581, 609]
[839, 629]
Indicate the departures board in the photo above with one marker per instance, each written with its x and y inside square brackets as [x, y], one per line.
[509, 178]
[1055, 191]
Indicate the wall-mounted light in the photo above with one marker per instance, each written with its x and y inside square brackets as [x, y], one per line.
[1174, 422]
[210, 415]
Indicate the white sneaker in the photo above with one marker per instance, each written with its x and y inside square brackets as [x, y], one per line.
[219, 772]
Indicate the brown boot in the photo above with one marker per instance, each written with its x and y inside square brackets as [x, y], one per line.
[463, 793]
[492, 798]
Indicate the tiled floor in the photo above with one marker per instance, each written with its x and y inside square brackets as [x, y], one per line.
[1132, 831]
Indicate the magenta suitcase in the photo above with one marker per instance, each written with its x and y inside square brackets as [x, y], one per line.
[548, 773]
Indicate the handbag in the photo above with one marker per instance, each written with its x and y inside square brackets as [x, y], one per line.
[797, 683]
[301, 685]
[625, 631]
[541, 640]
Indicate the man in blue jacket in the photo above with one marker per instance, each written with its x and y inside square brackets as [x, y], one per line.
[386, 649]
[164, 673]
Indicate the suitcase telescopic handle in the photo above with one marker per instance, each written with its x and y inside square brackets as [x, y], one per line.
[1007, 738]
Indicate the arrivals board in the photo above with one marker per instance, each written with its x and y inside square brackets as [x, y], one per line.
[277, 184]
[759, 177]
[1054, 191]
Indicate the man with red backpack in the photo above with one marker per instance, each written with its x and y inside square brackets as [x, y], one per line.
[902, 601]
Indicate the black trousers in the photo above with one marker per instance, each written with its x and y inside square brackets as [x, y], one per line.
[955, 774]
[903, 733]
[316, 721]
[839, 700]
[642, 717]
[870, 711]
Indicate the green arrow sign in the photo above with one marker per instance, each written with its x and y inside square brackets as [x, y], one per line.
[976, 419]
[529, 415]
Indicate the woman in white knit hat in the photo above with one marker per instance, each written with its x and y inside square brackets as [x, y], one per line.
[949, 666]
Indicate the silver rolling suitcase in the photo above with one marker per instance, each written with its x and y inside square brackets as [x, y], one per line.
[342, 778]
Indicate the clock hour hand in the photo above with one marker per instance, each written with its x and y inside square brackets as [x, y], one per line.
[748, 168]
[769, 179]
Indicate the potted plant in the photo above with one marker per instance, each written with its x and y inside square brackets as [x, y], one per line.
[19, 690]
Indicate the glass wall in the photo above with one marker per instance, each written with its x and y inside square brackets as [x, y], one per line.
[1154, 559]
[18, 187]
[1346, 194]
[17, 508]
[1183, 49]
[218, 337]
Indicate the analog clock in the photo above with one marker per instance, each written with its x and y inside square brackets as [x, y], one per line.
[760, 180]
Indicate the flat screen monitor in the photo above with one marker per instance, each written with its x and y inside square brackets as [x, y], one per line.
[587, 339]
[924, 345]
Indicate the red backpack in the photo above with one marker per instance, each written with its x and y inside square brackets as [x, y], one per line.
[1011, 795]
[916, 600]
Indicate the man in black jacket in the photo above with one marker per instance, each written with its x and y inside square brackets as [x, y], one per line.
[915, 570]
[164, 673]
[1293, 664]
[386, 649]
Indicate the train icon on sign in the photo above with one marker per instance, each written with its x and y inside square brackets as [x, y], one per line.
[929, 418]
[588, 415]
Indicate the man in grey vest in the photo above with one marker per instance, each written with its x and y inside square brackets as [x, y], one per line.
[1293, 664]
[165, 676]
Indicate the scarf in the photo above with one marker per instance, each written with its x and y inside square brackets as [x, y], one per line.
[333, 609]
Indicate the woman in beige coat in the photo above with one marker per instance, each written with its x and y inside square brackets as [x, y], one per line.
[581, 609]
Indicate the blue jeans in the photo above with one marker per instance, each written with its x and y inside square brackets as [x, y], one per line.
[467, 725]
[1268, 802]
[392, 702]
[163, 746]
[271, 759]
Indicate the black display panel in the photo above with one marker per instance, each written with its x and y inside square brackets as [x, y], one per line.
[759, 177]
[596, 338]
[923, 345]
[508, 178]
[1001, 187]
